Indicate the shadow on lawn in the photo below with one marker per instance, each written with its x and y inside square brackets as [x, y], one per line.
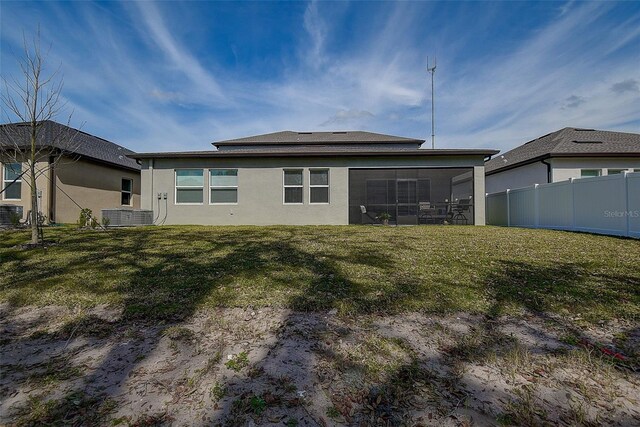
[170, 286]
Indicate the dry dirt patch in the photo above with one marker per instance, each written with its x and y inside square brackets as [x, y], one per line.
[278, 367]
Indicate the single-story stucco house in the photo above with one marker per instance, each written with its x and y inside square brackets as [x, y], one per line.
[88, 172]
[567, 153]
[315, 178]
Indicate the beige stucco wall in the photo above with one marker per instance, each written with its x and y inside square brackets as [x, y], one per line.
[479, 191]
[91, 185]
[260, 189]
[565, 168]
[25, 197]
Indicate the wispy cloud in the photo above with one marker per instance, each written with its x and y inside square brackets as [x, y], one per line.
[177, 53]
[531, 91]
[629, 85]
[156, 76]
[573, 101]
[316, 28]
[347, 116]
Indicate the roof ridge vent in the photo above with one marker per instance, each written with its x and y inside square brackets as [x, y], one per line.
[339, 133]
[583, 130]
[305, 133]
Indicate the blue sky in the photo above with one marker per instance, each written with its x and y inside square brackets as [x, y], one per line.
[177, 76]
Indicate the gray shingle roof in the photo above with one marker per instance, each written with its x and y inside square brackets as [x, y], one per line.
[56, 135]
[338, 137]
[569, 142]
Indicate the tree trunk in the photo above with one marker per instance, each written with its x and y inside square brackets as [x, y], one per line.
[35, 238]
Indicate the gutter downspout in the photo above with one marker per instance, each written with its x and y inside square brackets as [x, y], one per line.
[52, 189]
[548, 170]
[151, 165]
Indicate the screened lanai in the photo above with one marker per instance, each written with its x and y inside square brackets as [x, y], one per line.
[411, 196]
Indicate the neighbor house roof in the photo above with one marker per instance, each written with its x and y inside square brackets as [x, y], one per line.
[57, 135]
[315, 152]
[568, 142]
[307, 138]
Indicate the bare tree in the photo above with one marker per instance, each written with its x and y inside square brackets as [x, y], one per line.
[30, 137]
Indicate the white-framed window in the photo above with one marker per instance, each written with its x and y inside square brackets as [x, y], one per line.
[223, 186]
[126, 192]
[319, 186]
[11, 172]
[293, 186]
[615, 171]
[587, 173]
[189, 186]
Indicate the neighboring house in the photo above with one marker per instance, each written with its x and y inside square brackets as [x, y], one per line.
[567, 153]
[95, 174]
[315, 178]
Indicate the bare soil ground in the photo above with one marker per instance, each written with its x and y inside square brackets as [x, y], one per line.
[277, 367]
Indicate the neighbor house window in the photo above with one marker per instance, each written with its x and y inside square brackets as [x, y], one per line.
[11, 172]
[224, 186]
[587, 173]
[319, 186]
[126, 192]
[293, 186]
[189, 186]
[615, 171]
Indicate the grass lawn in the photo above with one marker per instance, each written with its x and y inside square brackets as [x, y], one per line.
[147, 326]
[170, 272]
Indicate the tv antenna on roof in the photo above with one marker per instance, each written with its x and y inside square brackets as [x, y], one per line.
[432, 71]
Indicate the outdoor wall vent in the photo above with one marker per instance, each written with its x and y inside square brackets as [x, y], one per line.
[123, 217]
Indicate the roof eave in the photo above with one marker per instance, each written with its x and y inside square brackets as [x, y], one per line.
[220, 154]
[233, 143]
[551, 155]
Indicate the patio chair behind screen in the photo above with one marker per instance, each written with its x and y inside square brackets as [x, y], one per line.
[370, 215]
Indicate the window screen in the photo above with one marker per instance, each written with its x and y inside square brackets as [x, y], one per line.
[293, 186]
[189, 186]
[224, 186]
[319, 186]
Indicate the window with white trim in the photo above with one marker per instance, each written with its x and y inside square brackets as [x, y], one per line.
[615, 171]
[126, 192]
[587, 173]
[189, 186]
[12, 181]
[319, 186]
[293, 186]
[223, 184]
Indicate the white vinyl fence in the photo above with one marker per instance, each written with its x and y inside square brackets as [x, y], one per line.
[605, 204]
